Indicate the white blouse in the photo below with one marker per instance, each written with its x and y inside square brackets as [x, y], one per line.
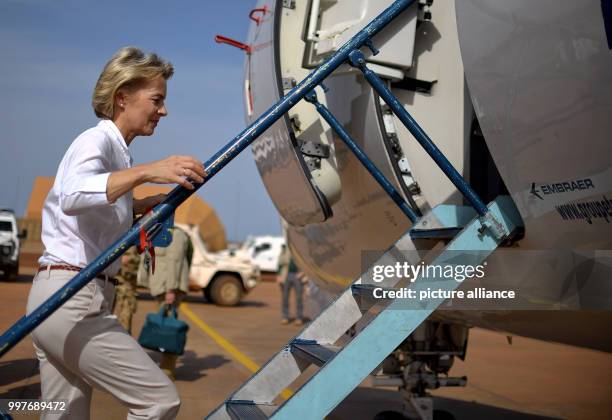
[78, 222]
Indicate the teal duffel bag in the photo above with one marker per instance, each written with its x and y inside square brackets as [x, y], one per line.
[164, 332]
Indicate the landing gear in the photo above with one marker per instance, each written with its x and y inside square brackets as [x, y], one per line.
[421, 363]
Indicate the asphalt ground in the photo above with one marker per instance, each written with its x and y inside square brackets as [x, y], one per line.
[526, 380]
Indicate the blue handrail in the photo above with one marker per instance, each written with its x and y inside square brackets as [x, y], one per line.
[357, 59]
[367, 163]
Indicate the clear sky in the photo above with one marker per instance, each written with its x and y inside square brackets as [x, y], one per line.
[52, 52]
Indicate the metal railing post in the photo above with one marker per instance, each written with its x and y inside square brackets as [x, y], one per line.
[357, 59]
[366, 162]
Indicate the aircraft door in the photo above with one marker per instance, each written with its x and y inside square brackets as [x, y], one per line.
[284, 171]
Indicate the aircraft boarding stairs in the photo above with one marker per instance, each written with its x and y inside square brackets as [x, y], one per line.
[343, 368]
[343, 362]
[476, 231]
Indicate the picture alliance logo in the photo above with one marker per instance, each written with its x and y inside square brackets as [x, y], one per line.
[413, 272]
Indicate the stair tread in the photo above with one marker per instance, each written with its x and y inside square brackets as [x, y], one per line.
[248, 410]
[313, 352]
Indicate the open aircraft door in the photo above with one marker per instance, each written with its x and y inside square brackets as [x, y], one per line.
[297, 171]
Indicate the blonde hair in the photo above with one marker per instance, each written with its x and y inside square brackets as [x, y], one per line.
[126, 69]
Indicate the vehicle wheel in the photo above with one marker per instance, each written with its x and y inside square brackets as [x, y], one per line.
[226, 290]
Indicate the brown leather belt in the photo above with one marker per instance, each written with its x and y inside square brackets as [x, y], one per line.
[68, 267]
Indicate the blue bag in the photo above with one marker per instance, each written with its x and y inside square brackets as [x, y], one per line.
[164, 332]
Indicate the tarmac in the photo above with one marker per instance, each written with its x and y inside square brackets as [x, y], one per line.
[528, 379]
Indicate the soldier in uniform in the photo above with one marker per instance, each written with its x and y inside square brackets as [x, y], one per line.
[170, 282]
[125, 292]
[290, 277]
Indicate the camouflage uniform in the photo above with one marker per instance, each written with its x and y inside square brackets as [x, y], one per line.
[125, 292]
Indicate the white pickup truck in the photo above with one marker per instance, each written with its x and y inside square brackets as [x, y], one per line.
[9, 244]
[224, 279]
[263, 251]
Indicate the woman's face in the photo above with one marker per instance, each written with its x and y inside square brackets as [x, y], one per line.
[142, 108]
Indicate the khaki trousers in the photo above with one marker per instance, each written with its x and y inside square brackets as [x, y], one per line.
[81, 345]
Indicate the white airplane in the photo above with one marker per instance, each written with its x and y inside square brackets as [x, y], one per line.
[518, 96]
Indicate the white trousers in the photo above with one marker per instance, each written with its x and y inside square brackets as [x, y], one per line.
[82, 345]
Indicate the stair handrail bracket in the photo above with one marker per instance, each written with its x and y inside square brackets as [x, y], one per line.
[493, 225]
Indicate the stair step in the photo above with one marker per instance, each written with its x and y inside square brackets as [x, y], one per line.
[249, 410]
[364, 295]
[312, 352]
[442, 233]
[444, 221]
